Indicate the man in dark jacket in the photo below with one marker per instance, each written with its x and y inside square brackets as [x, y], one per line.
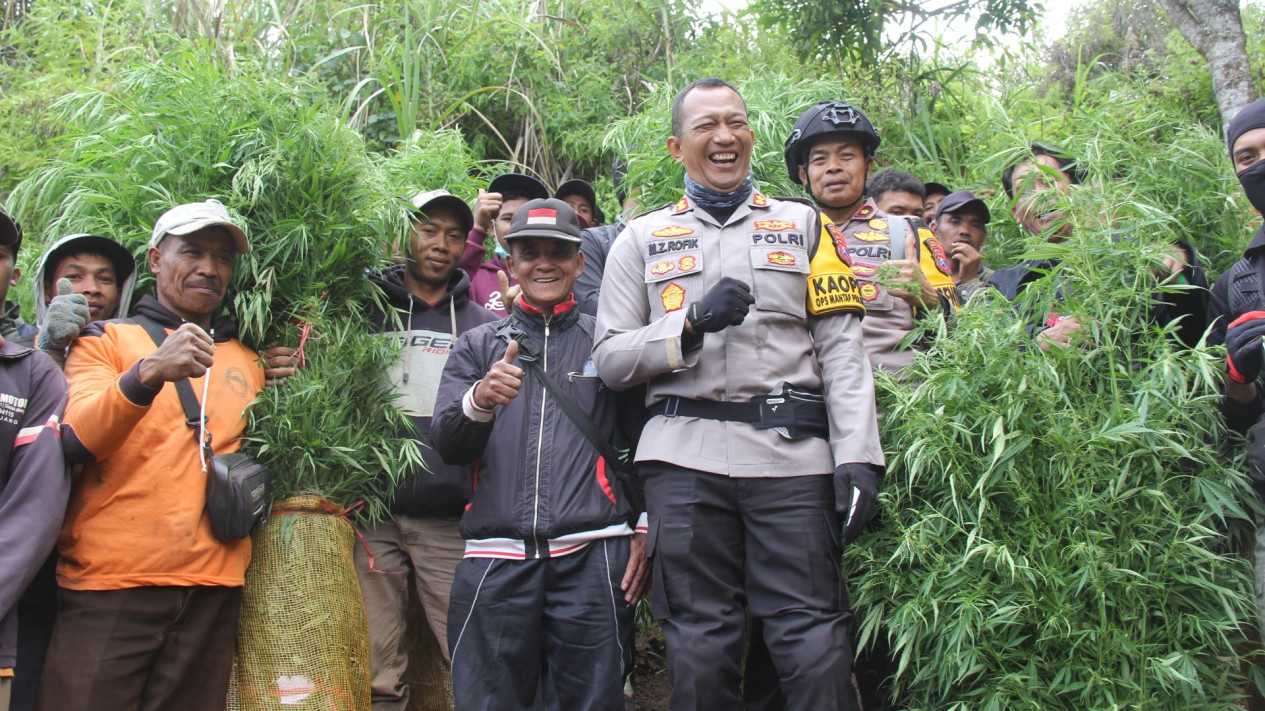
[34, 479]
[1237, 312]
[431, 307]
[543, 602]
[1036, 184]
[12, 327]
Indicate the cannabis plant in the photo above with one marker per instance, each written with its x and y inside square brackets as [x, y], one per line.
[1058, 529]
[186, 129]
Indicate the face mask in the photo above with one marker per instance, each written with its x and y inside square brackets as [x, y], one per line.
[1253, 181]
[500, 251]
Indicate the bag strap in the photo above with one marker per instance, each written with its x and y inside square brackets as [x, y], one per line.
[188, 400]
[897, 235]
[576, 414]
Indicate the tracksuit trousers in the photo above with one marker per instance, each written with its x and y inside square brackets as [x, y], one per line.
[557, 627]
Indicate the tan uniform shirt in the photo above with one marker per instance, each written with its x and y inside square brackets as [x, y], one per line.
[889, 318]
[667, 259]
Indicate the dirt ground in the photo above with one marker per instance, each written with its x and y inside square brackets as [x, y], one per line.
[650, 672]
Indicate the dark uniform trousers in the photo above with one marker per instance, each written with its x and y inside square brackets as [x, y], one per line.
[146, 648]
[556, 628]
[720, 545]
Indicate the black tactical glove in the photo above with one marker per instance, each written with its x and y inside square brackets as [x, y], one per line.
[1244, 348]
[856, 491]
[724, 305]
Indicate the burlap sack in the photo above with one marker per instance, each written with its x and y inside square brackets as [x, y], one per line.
[302, 640]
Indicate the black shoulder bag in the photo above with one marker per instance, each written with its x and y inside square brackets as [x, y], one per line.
[238, 487]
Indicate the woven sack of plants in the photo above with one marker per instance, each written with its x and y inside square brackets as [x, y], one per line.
[302, 638]
[427, 676]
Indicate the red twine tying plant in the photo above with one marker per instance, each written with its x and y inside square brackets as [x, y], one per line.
[346, 513]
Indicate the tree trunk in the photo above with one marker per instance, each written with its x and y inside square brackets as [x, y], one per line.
[1215, 29]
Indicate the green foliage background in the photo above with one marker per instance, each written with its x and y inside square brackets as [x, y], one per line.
[1060, 530]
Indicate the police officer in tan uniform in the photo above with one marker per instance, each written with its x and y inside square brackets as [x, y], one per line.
[902, 268]
[903, 274]
[762, 455]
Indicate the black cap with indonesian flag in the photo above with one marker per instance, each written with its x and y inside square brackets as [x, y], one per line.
[550, 217]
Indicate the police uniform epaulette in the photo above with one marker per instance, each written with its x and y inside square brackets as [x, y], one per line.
[661, 208]
[800, 200]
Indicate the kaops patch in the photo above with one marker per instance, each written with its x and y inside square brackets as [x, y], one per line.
[759, 200]
[672, 231]
[937, 252]
[775, 225]
[871, 236]
[672, 296]
[661, 268]
[682, 205]
[784, 259]
[688, 263]
[832, 287]
[841, 243]
[869, 292]
[878, 223]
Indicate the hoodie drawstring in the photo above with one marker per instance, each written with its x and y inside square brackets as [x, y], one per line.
[408, 336]
[452, 314]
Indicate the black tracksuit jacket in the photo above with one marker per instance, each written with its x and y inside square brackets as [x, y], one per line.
[537, 477]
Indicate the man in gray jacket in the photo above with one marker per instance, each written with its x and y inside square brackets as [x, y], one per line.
[763, 439]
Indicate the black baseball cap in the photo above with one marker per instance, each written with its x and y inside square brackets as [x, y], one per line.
[963, 201]
[519, 184]
[443, 199]
[549, 217]
[576, 186]
[935, 189]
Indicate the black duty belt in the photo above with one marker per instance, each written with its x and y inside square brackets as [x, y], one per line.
[793, 412]
[707, 409]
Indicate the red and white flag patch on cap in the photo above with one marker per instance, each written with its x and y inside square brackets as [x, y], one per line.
[542, 216]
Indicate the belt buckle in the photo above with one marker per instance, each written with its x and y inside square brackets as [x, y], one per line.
[670, 406]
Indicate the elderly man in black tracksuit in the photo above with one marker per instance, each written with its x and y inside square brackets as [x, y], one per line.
[555, 551]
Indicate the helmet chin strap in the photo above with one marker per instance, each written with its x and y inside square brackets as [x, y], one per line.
[809, 185]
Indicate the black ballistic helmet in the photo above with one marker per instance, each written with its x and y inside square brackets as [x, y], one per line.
[826, 118]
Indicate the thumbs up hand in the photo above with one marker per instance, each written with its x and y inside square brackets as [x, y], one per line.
[502, 382]
[913, 285]
[65, 318]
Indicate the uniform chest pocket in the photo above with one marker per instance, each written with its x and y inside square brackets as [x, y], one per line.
[671, 280]
[874, 297]
[780, 275]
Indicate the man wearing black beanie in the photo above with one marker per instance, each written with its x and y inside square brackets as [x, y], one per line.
[1237, 310]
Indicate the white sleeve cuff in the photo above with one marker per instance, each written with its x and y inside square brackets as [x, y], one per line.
[643, 523]
[473, 411]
